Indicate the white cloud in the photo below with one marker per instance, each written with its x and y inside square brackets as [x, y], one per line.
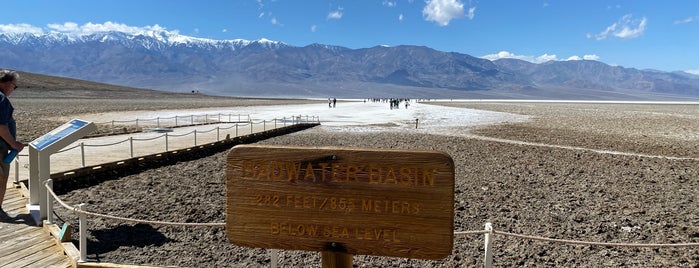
[694, 72]
[687, 20]
[536, 59]
[471, 13]
[591, 57]
[91, 28]
[314, 28]
[224, 30]
[337, 14]
[443, 11]
[390, 3]
[261, 15]
[20, 28]
[625, 28]
[400, 17]
[274, 21]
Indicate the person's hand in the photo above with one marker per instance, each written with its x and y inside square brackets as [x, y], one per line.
[18, 146]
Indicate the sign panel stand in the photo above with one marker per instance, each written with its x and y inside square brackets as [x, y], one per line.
[40, 151]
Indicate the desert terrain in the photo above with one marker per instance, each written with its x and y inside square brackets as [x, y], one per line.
[598, 172]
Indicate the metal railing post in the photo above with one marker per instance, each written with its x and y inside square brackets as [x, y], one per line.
[251, 126]
[236, 129]
[264, 125]
[488, 262]
[157, 121]
[49, 201]
[218, 134]
[112, 126]
[175, 121]
[17, 170]
[136, 123]
[82, 154]
[131, 145]
[83, 233]
[191, 119]
[166, 146]
[195, 137]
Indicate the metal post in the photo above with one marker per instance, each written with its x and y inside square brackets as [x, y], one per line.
[17, 170]
[236, 129]
[136, 123]
[218, 134]
[83, 233]
[488, 262]
[275, 123]
[250, 126]
[49, 201]
[82, 153]
[131, 145]
[175, 121]
[284, 120]
[157, 121]
[264, 125]
[166, 147]
[191, 119]
[195, 137]
[112, 126]
[274, 257]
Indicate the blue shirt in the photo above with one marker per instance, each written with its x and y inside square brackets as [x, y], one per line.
[6, 111]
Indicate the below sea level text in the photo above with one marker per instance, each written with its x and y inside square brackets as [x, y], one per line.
[334, 232]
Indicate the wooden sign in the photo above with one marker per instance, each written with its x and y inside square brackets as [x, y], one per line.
[373, 202]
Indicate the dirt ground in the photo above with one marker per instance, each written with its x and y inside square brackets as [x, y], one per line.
[522, 188]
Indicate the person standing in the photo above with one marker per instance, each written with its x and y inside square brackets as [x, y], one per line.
[8, 131]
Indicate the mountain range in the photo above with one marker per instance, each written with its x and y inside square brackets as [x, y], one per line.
[263, 68]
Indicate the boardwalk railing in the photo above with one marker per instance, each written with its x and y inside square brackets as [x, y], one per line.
[167, 140]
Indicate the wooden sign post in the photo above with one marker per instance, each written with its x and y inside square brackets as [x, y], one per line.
[341, 201]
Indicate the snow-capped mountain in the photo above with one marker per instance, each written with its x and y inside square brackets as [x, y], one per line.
[165, 60]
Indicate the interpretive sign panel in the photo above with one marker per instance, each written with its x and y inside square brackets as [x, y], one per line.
[61, 132]
[359, 201]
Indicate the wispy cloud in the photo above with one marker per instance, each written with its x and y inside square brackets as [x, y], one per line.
[443, 11]
[625, 28]
[336, 15]
[694, 72]
[687, 20]
[389, 3]
[401, 17]
[536, 59]
[471, 13]
[314, 28]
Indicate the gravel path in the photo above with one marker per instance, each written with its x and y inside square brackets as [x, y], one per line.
[521, 187]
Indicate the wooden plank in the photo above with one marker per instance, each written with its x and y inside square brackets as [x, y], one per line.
[49, 252]
[14, 244]
[20, 235]
[25, 252]
[358, 201]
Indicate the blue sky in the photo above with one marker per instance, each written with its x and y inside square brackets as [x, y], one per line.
[643, 34]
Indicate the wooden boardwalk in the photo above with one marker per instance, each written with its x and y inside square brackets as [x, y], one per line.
[22, 243]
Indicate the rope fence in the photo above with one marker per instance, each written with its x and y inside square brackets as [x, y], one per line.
[179, 141]
[489, 232]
